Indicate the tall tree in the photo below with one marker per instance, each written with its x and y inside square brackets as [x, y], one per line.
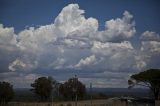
[43, 87]
[72, 88]
[6, 92]
[149, 78]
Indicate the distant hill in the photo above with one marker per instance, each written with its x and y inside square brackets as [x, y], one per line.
[24, 94]
[136, 92]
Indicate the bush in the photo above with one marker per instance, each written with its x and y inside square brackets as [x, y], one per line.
[6, 92]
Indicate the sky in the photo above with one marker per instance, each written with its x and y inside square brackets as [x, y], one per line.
[103, 42]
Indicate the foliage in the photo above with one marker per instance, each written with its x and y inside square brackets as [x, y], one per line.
[6, 92]
[71, 88]
[43, 87]
[149, 78]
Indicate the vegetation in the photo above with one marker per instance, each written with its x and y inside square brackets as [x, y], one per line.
[149, 78]
[61, 105]
[43, 87]
[72, 88]
[69, 104]
[6, 92]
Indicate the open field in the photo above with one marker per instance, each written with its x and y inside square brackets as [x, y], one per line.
[105, 102]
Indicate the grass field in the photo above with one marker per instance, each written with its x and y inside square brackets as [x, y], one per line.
[105, 102]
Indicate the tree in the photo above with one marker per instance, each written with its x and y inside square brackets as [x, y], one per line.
[72, 88]
[6, 92]
[43, 87]
[149, 78]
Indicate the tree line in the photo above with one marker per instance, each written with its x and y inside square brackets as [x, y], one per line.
[45, 87]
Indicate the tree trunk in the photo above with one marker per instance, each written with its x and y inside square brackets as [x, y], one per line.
[156, 94]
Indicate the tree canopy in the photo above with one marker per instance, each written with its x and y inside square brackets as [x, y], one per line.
[71, 88]
[149, 78]
[6, 92]
[43, 87]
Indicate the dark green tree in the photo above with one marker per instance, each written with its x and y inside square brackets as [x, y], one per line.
[6, 92]
[72, 88]
[43, 87]
[149, 78]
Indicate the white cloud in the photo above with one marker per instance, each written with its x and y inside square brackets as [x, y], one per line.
[118, 56]
[58, 64]
[110, 48]
[7, 35]
[72, 20]
[88, 61]
[140, 62]
[73, 42]
[20, 65]
[150, 43]
[7, 38]
[151, 47]
[35, 40]
[150, 36]
[118, 29]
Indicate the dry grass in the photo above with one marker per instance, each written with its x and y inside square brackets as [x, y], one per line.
[106, 102]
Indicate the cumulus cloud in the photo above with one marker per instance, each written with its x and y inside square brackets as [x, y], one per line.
[16, 63]
[7, 35]
[35, 40]
[20, 65]
[71, 20]
[140, 62]
[118, 56]
[152, 47]
[7, 38]
[150, 36]
[73, 42]
[89, 61]
[118, 29]
[58, 64]
[8, 47]
[109, 48]
[150, 42]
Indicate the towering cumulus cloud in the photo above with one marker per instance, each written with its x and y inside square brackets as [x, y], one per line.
[72, 44]
[118, 29]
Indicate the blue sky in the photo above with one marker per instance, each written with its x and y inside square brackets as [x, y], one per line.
[100, 40]
[20, 13]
